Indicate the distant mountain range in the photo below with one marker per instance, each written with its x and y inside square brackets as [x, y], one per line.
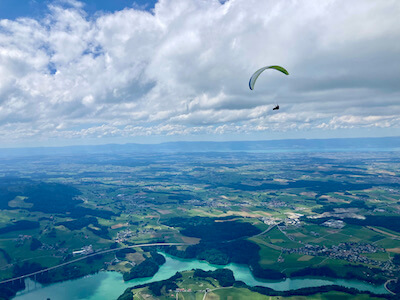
[343, 144]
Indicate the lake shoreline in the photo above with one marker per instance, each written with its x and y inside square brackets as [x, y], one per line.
[109, 284]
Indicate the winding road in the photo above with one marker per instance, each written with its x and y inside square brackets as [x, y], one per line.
[386, 283]
[220, 288]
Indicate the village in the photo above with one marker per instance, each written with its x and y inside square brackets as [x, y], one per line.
[352, 252]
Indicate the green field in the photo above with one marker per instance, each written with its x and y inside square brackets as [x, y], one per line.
[127, 199]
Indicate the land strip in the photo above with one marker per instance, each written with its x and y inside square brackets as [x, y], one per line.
[90, 255]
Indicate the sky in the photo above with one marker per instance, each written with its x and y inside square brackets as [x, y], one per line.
[121, 71]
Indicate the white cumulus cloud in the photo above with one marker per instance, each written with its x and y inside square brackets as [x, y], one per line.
[183, 69]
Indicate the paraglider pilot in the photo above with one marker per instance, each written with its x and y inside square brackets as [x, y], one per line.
[276, 107]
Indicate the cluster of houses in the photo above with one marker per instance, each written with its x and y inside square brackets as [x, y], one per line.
[126, 234]
[337, 224]
[22, 238]
[123, 235]
[85, 250]
[352, 252]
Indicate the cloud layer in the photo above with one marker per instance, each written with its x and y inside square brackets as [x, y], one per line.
[183, 69]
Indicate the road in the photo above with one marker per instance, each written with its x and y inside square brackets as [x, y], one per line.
[112, 250]
[117, 249]
[90, 255]
[289, 237]
[268, 229]
[386, 283]
[220, 288]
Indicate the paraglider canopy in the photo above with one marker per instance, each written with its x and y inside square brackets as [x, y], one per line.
[254, 77]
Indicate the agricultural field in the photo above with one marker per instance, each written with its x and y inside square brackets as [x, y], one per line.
[188, 286]
[291, 213]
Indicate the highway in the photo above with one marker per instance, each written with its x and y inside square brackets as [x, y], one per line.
[90, 255]
[117, 249]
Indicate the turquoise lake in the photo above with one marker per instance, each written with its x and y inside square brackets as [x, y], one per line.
[109, 285]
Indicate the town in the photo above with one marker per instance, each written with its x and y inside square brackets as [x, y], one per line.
[352, 252]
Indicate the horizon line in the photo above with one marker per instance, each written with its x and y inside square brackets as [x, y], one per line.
[194, 141]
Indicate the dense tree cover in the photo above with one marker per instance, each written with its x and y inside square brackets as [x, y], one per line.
[214, 256]
[20, 225]
[330, 207]
[388, 222]
[260, 272]
[147, 268]
[127, 295]
[319, 187]
[26, 268]
[79, 223]
[100, 231]
[394, 286]
[155, 287]
[47, 198]
[35, 244]
[52, 197]
[363, 273]
[6, 256]
[319, 271]
[224, 276]
[178, 253]
[114, 245]
[121, 254]
[335, 171]
[314, 290]
[211, 231]
[68, 272]
[240, 251]
[181, 197]
[93, 258]
[5, 197]
[79, 211]
[318, 221]
[352, 272]
[10, 289]
[158, 258]
[396, 259]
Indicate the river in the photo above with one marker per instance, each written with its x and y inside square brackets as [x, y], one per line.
[109, 285]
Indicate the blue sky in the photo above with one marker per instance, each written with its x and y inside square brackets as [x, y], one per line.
[80, 72]
[12, 9]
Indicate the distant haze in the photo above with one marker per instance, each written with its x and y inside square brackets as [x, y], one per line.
[89, 72]
[300, 145]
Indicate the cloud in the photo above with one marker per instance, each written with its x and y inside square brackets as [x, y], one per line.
[183, 69]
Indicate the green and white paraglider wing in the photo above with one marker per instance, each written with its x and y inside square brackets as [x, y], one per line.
[253, 78]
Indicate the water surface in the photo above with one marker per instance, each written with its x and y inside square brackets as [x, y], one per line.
[109, 285]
